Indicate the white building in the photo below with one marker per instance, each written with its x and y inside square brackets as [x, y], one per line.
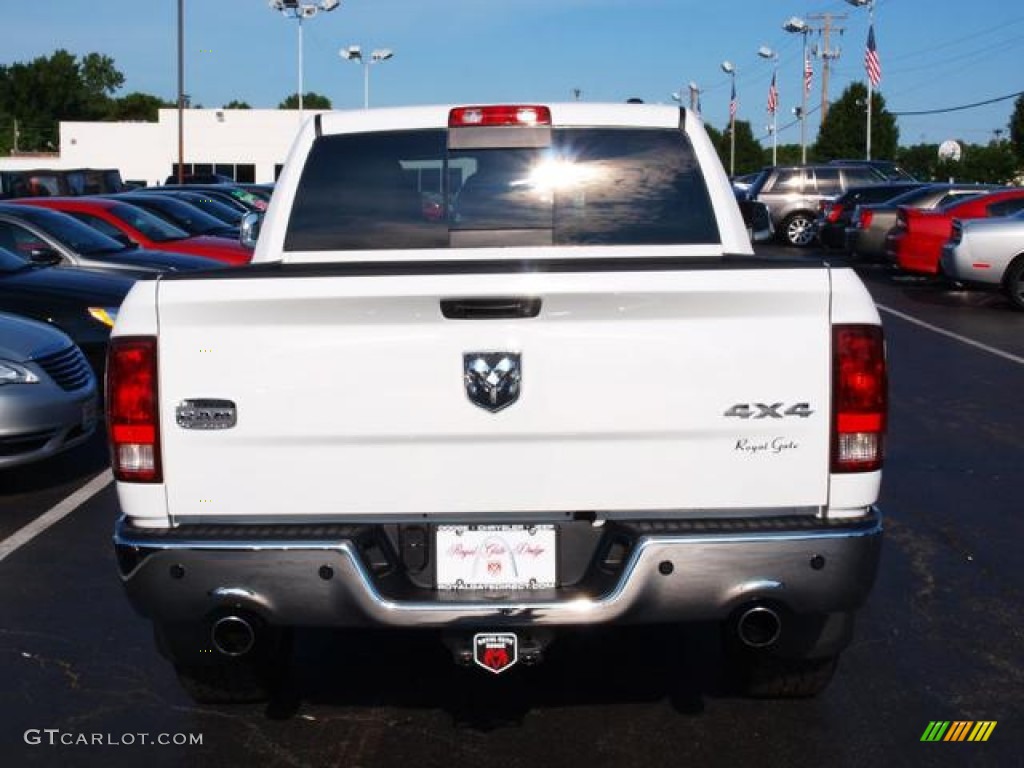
[248, 145]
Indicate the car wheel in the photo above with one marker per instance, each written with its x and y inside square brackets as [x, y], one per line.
[798, 230]
[1014, 282]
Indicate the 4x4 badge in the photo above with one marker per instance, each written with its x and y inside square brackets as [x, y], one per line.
[492, 379]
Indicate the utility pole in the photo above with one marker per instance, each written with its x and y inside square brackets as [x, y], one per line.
[827, 53]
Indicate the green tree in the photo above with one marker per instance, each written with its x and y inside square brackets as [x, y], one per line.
[99, 76]
[236, 104]
[844, 132]
[789, 154]
[749, 152]
[920, 160]
[136, 106]
[1017, 130]
[310, 100]
[48, 89]
[994, 163]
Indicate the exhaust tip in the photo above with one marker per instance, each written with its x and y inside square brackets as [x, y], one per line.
[233, 636]
[759, 627]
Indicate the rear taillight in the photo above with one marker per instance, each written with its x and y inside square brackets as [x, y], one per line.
[957, 234]
[860, 398]
[865, 218]
[132, 414]
[833, 212]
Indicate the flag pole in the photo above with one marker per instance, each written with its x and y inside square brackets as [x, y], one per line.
[871, 26]
[868, 151]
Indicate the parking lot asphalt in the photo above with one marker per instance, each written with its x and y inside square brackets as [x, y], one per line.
[941, 638]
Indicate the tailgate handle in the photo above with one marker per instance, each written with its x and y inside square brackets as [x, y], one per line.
[503, 308]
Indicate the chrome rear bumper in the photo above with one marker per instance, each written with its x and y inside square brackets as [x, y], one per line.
[667, 577]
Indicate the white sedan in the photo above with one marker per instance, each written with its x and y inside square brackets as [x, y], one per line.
[988, 253]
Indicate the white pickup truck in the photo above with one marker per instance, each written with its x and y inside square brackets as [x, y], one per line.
[495, 373]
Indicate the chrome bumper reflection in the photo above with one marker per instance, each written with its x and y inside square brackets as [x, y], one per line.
[667, 578]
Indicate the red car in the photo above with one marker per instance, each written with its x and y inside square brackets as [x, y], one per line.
[130, 224]
[915, 243]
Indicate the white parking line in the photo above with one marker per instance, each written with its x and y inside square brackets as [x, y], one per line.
[24, 535]
[970, 342]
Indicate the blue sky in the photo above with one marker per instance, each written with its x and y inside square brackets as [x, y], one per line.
[935, 55]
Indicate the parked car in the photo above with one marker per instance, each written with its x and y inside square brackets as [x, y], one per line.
[229, 192]
[742, 184]
[988, 254]
[190, 217]
[131, 224]
[835, 215]
[48, 393]
[230, 213]
[793, 194]
[53, 237]
[870, 223]
[81, 303]
[915, 243]
[200, 178]
[757, 219]
[51, 182]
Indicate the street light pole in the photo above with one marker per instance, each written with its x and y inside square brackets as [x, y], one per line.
[730, 70]
[355, 53]
[694, 97]
[293, 9]
[773, 98]
[801, 27]
[301, 87]
[181, 93]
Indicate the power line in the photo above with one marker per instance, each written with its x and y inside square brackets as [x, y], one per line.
[960, 108]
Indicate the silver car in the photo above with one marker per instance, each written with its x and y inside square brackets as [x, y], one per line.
[48, 393]
[794, 195]
[988, 253]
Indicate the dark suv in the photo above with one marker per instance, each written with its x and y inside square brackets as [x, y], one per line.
[794, 193]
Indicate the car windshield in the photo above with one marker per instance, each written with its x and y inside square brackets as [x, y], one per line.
[149, 224]
[915, 196]
[70, 232]
[226, 213]
[180, 214]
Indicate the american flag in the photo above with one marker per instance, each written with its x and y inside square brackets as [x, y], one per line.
[773, 96]
[808, 73]
[732, 101]
[871, 62]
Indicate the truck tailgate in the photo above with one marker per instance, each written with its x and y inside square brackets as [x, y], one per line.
[705, 391]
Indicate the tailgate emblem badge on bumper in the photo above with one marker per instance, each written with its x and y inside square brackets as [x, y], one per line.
[492, 379]
[206, 413]
[495, 651]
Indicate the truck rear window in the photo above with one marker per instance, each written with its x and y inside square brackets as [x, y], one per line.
[408, 190]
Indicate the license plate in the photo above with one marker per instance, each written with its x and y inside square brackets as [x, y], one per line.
[496, 557]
